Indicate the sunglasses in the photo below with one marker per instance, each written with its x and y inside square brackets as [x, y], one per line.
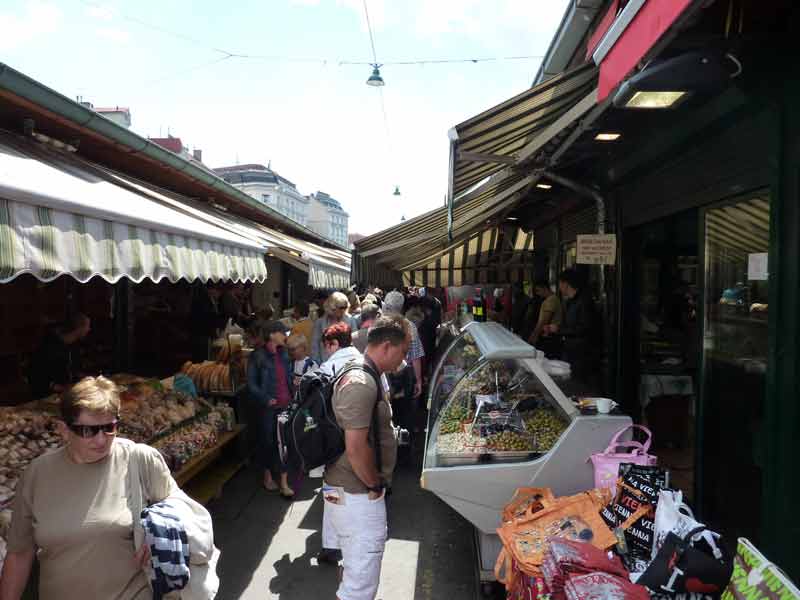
[89, 431]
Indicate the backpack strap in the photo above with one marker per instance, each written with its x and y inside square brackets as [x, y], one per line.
[356, 366]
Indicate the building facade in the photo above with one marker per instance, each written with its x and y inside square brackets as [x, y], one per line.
[269, 188]
[328, 218]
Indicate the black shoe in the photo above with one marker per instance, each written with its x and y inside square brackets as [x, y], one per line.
[329, 556]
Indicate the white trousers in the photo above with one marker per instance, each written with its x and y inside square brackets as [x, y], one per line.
[357, 526]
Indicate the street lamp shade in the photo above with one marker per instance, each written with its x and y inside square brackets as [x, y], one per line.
[375, 80]
[396, 190]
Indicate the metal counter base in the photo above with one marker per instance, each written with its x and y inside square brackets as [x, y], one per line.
[487, 549]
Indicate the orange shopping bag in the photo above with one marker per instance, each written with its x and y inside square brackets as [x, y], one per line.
[575, 518]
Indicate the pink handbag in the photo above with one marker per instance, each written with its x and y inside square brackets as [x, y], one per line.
[606, 464]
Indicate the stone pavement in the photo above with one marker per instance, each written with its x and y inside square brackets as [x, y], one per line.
[269, 546]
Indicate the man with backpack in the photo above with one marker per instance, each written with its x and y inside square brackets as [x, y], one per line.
[355, 484]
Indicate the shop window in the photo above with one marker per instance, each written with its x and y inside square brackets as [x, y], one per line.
[735, 351]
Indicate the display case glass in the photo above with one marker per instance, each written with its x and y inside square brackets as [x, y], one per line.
[491, 401]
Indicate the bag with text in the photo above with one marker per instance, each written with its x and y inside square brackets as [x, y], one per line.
[755, 578]
[631, 515]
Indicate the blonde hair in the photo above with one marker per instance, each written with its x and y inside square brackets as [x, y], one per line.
[295, 341]
[92, 394]
[334, 301]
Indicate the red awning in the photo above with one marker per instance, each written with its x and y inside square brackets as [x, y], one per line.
[646, 28]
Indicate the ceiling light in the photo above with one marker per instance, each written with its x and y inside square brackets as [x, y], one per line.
[544, 186]
[655, 99]
[669, 82]
[512, 218]
[607, 137]
[375, 80]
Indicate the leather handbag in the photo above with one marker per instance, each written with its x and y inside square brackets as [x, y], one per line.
[606, 463]
[689, 564]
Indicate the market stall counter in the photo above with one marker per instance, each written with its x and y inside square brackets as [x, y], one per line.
[497, 422]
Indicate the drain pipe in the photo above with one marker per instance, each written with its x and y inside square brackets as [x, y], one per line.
[600, 204]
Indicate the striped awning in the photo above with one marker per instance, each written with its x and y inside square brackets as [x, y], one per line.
[495, 164]
[62, 216]
[502, 135]
[497, 255]
[327, 268]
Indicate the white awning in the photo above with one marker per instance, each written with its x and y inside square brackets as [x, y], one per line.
[326, 267]
[62, 216]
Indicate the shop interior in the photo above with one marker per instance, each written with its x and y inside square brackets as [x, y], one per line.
[695, 362]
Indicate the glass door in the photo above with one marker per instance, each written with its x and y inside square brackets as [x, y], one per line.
[735, 350]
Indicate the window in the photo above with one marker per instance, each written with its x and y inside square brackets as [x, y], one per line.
[266, 198]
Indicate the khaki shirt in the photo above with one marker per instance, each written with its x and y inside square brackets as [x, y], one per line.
[550, 312]
[353, 402]
[77, 515]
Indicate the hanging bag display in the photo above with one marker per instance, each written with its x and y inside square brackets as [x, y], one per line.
[575, 518]
[606, 463]
[689, 564]
[525, 502]
[755, 577]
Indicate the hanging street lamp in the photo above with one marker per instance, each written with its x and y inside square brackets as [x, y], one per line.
[375, 80]
[396, 190]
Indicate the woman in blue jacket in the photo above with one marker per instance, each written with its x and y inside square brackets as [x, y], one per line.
[269, 383]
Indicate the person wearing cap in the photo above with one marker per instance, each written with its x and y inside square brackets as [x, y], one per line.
[269, 383]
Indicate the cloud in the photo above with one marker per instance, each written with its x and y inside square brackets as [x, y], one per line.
[482, 19]
[112, 34]
[102, 13]
[36, 19]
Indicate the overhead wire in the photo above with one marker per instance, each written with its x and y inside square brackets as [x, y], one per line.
[436, 61]
[313, 60]
[371, 38]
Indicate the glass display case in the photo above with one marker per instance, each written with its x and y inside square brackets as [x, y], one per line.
[498, 421]
[488, 403]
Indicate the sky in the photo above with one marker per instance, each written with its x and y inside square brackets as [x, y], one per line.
[290, 100]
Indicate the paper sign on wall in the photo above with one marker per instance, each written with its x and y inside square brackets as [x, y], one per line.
[758, 266]
[597, 249]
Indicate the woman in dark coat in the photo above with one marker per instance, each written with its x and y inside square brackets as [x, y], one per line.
[269, 383]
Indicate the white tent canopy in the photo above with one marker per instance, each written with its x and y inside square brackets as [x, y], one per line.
[61, 216]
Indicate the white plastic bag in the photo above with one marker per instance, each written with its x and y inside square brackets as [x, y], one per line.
[674, 515]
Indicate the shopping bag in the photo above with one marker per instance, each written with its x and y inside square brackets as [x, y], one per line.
[632, 513]
[755, 577]
[575, 519]
[606, 463]
[603, 586]
[689, 564]
[526, 501]
[519, 584]
[600, 497]
[673, 515]
[566, 559]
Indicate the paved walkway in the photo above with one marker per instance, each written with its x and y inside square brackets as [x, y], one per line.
[269, 546]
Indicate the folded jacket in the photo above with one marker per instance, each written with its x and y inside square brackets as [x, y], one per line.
[169, 548]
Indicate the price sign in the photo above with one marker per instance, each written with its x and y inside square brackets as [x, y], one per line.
[597, 249]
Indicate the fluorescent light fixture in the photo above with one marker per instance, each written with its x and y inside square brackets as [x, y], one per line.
[607, 137]
[544, 186]
[650, 99]
[512, 218]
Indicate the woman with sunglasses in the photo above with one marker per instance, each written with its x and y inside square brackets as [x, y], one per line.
[71, 507]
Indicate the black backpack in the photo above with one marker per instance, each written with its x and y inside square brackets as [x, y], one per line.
[310, 437]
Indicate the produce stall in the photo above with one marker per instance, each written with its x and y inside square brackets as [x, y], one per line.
[497, 422]
[189, 432]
